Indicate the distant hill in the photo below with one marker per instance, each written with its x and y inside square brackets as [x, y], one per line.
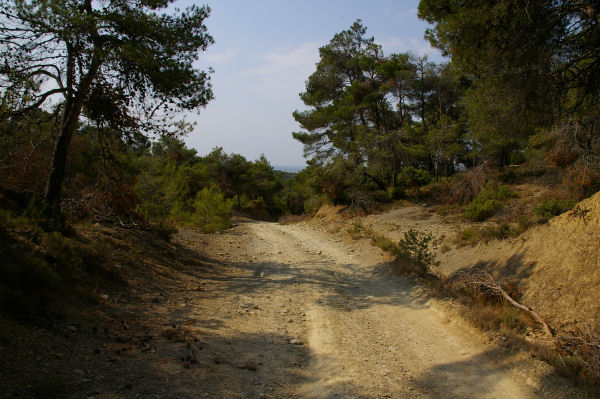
[288, 169]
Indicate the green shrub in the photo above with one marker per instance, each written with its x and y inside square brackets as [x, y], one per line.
[413, 252]
[508, 175]
[413, 177]
[489, 201]
[358, 230]
[524, 222]
[517, 158]
[553, 207]
[211, 211]
[48, 218]
[383, 242]
[381, 196]
[315, 202]
[499, 231]
[396, 192]
[482, 210]
[257, 209]
[512, 319]
[469, 236]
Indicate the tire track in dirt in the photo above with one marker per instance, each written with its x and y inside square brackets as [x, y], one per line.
[371, 334]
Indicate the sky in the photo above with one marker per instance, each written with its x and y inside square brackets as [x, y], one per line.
[264, 52]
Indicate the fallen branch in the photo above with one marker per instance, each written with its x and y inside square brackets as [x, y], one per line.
[585, 345]
[485, 280]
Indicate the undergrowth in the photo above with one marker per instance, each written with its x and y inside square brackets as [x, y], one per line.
[553, 207]
[414, 253]
[488, 202]
[497, 231]
[517, 220]
[576, 357]
[38, 267]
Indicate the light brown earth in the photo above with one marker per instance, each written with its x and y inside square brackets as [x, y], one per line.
[368, 333]
[265, 310]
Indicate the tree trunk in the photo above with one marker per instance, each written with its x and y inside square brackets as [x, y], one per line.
[59, 159]
[72, 111]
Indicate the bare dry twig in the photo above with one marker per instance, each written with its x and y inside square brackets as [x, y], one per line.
[482, 279]
[583, 345]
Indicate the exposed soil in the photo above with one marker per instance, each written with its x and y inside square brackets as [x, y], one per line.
[264, 310]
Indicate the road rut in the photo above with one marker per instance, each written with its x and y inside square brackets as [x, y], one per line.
[370, 333]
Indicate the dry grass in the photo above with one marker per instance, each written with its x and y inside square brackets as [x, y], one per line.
[576, 355]
[291, 219]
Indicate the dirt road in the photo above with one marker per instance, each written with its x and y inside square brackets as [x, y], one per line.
[323, 317]
[264, 311]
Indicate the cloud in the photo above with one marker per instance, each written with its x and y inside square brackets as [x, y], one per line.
[222, 57]
[281, 74]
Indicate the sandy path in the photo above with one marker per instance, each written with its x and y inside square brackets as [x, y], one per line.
[267, 311]
[371, 334]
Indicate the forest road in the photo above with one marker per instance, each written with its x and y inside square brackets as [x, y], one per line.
[341, 324]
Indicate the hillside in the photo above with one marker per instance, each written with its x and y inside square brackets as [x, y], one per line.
[555, 264]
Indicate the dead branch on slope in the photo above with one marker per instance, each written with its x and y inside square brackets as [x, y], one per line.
[485, 282]
[583, 345]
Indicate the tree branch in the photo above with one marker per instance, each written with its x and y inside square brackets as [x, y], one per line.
[481, 279]
[39, 102]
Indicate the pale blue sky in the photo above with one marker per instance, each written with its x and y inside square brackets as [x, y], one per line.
[264, 52]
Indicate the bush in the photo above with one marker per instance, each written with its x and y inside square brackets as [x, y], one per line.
[499, 231]
[385, 243]
[211, 211]
[489, 201]
[413, 177]
[62, 253]
[413, 252]
[358, 231]
[467, 185]
[381, 196]
[517, 158]
[553, 207]
[469, 236]
[315, 202]
[46, 217]
[478, 211]
[396, 192]
[582, 180]
[258, 209]
[360, 202]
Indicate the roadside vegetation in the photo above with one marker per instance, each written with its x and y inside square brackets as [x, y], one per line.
[89, 134]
